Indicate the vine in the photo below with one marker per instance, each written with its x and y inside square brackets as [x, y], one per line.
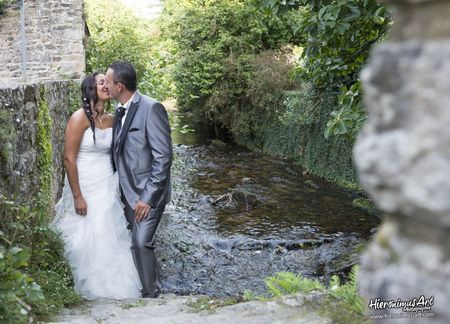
[7, 136]
[44, 158]
[3, 5]
[74, 96]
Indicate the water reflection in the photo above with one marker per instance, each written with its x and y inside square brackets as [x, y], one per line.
[289, 203]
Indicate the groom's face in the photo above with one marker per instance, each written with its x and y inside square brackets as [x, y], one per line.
[111, 85]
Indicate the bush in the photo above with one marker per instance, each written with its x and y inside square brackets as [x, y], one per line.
[263, 94]
[52, 272]
[35, 279]
[17, 290]
[209, 34]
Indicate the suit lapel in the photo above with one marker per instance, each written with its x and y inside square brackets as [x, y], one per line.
[116, 120]
[128, 119]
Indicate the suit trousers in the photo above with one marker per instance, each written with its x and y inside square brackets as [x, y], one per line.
[143, 248]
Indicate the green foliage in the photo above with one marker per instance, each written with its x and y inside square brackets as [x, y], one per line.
[74, 97]
[294, 129]
[267, 80]
[234, 69]
[139, 303]
[367, 206]
[250, 90]
[44, 163]
[347, 292]
[210, 303]
[210, 34]
[39, 251]
[51, 271]
[117, 34]
[7, 137]
[338, 37]
[3, 4]
[288, 283]
[349, 119]
[340, 34]
[17, 289]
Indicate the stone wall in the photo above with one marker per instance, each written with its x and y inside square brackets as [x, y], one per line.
[403, 158]
[18, 135]
[52, 42]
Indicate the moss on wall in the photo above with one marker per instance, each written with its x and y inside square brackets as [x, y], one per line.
[44, 161]
[74, 96]
[7, 136]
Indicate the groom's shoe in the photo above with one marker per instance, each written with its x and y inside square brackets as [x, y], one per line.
[147, 295]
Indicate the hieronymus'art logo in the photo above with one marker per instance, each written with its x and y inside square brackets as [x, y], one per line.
[419, 304]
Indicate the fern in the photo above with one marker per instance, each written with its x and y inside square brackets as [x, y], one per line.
[287, 283]
[347, 292]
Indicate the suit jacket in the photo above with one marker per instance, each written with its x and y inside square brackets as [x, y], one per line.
[142, 154]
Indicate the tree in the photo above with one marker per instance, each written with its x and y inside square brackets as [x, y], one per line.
[117, 34]
[338, 35]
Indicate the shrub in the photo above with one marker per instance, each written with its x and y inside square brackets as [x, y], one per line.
[17, 290]
[35, 279]
[52, 272]
[210, 33]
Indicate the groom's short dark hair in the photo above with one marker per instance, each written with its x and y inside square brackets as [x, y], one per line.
[124, 73]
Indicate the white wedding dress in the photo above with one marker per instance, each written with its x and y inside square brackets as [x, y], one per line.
[97, 245]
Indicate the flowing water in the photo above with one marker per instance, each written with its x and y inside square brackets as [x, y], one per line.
[237, 217]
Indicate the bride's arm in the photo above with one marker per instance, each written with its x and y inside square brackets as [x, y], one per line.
[76, 126]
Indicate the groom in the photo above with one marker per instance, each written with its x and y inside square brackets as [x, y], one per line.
[142, 155]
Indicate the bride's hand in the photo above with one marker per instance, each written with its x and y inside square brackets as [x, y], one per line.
[80, 206]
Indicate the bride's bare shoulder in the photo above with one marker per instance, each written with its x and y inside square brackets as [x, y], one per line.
[78, 120]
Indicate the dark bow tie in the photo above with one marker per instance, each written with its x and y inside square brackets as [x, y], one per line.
[119, 115]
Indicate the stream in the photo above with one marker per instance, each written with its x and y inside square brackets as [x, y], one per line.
[237, 217]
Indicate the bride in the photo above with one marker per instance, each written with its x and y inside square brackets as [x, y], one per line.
[90, 213]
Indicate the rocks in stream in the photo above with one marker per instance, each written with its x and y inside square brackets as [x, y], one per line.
[228, 226]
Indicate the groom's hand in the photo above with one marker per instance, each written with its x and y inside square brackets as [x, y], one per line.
[141, 211]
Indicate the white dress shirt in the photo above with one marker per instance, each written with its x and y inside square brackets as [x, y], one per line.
[126, 106]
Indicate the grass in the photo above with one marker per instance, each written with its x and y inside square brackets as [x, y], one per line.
[139, 303]
[211, 303]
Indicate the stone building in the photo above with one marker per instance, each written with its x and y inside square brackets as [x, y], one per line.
[41, 62]
[41, 40]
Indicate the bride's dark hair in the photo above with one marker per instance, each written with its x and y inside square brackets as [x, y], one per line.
[88, 94]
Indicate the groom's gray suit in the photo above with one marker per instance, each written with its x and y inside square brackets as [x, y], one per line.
[142, 155]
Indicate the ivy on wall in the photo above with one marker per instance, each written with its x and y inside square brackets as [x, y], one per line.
[74, 97]
[44, 163]
[7, 135]
[304, 113]
[36, 280]
[3, 4]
